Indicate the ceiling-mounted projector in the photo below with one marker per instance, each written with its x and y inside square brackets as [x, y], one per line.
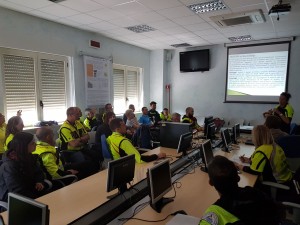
[280, 9]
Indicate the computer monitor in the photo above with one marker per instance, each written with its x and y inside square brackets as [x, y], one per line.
[235, 132]
[206, 154]
[119, 173]
[226, 139]
[211, 130]
[208, 120]
[160, 183]
[185, 143]
[170, 133]
[26, 211]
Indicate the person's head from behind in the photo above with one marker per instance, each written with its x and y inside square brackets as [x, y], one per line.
[117, 125]
[89, 113]
[261, 135]
[45, 134]
[223, 175]
[284, 99]
[273, 122]
[108, 117]
[21, 146]
[189, 111]
[14, 125]
[129, 114]
[145, 110]
[108, 107]
[176, 117]
[131, 106]
[153, 105]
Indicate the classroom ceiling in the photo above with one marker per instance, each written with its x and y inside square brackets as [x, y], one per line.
[173, 22]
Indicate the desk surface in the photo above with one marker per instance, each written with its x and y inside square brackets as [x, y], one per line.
[195, 193]
[73, 201]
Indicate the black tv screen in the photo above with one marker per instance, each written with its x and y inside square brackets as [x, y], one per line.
[193, 61]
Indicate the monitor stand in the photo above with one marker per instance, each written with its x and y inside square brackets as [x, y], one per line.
[182, 155]
[204, 169]
[121, 190]
[160, 204]
[226, 149]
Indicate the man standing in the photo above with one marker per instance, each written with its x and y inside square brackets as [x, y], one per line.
[153, 114]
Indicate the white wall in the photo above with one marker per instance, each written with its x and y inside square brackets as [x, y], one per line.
[206, 91]
[22, 31]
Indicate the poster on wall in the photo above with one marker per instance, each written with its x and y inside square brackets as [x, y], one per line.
[97, 80]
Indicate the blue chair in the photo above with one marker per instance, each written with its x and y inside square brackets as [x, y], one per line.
[294, 129]
[105, 149]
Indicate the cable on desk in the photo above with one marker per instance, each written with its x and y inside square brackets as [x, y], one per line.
[149, 221]
[134, 212]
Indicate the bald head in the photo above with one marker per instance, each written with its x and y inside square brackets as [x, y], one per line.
[45, 134]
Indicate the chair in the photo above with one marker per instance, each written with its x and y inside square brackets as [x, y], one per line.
[291, 147]
[294, 129]
[106, 153]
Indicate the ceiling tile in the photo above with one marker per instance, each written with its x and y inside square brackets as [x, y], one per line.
[34, 4]
[185, 36]
[103, 26]
[84, 19]
[235, 3]
[187, 20]
[198, 26]
[124, 21]
[42, 15]
[175, 30]
[154, 33]
[68, 22]
[176, 12]
[58, 10]
[82, 6]
[111, 3]
[162, 24]
[131, 8]
[106, 14]
[120, 31]
[148, 17]
[160, 4]
[14, 6]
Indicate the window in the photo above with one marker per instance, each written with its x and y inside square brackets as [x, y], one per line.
[126, 87]
[35, 83]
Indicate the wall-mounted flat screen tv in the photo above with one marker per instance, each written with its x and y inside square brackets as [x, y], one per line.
[193, 61]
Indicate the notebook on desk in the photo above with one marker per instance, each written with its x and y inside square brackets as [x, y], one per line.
[180, 219]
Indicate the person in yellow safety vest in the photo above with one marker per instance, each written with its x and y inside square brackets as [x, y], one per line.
[165, 115]
[121, 146]
[238, 205]
[189, 118]
[90, 121]
[108, 108]
[14, 126]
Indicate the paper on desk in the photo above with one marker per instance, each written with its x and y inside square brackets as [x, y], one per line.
[236, 159]
[180, 219]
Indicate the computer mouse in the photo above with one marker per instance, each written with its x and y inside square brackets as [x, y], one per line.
[179, 212]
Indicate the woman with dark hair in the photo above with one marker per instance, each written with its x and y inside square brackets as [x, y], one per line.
[104, 127]
[14, 125]
[284, 111]
[20, 172]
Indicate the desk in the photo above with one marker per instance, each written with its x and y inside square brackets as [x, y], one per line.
[73, 201]
[195, 194]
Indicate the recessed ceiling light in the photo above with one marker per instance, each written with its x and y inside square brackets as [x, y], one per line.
[207, 6]
[241, 38]
[141, 28]
[56, 1]
[181, 45]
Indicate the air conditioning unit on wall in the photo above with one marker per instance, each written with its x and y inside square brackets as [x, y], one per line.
[234, 19]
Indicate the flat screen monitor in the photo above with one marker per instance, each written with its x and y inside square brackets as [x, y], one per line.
[211, 130]
[170, 133]
[193, 61]
[207, 120]
[236, 132]
[160, 183]
[26, 211]
[225, 134]
[185, 142]
[206, 154]
[120, 172]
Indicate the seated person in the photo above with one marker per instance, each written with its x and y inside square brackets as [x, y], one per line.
[153, 114]
[54, 168]
[284, 111]
[121, 146]
[144, 119]
[132, 124]
[189, 118]
[20, 173]
[273, 123]
[238, 205]
[268, 159]
[176, 117]
[107, 108]
[14, 126]
[74, 137]
[90, 121]
[104, 127]
[165, 115]
[131, 106]
[2, 133]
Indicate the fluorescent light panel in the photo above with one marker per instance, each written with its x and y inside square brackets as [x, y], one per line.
[240, 38]
[207, 6]
[140, 28]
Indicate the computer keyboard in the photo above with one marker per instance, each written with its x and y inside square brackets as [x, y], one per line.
[249, 142]
[216, 143]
